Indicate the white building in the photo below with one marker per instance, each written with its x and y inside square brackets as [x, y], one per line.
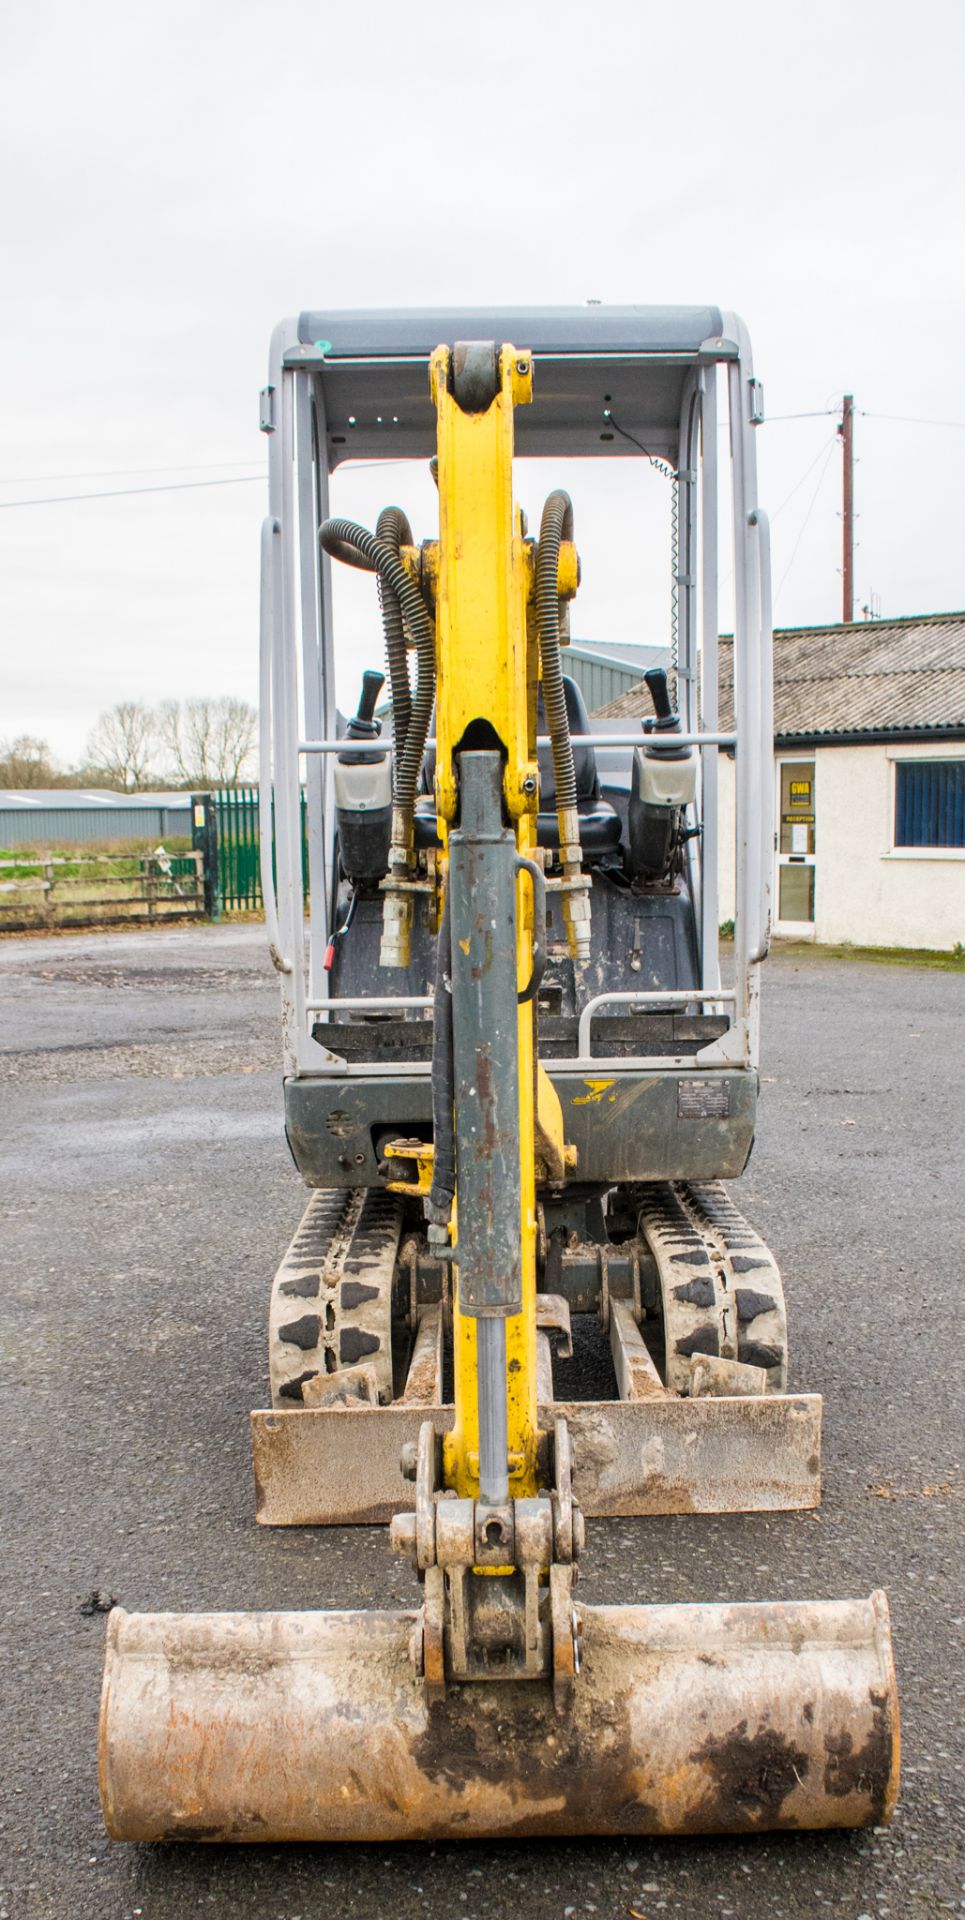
[869, 781]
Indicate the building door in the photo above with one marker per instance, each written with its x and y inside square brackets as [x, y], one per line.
[794, 849]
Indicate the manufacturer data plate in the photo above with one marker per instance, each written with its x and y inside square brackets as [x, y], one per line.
[703, 1099]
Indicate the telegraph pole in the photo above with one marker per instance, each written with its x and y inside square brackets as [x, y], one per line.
[846, 430]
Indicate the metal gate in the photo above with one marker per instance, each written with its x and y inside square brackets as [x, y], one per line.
[225, 828]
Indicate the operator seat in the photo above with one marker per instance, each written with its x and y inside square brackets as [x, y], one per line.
[599, 822]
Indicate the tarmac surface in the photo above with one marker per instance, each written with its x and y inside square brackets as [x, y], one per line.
[148, 1195]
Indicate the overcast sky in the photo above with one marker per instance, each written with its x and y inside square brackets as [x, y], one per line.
[179, 177]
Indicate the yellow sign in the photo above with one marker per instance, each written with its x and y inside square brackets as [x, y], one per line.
[597, 1090]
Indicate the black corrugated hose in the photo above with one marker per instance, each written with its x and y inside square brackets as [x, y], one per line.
[393, 527]
[345, 541]
[555, 526]
[442, 1191]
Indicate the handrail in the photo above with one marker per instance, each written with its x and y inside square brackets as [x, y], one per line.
[375, 1004]
[270, 528]
[758, 519]
[674, 997]
[599, 741]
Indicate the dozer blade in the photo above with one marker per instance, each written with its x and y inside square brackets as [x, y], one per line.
[314, 1726]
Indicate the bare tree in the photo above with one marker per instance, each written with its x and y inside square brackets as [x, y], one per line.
[26, 762]
[236, 731]
[174, 741]
[122, 743]
[210, 742]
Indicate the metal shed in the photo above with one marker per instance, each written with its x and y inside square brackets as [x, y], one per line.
[48, 816]
[604, 671]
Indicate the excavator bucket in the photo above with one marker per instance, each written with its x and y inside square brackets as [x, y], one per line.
[314, 1726]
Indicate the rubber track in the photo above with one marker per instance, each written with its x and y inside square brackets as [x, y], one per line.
[331, 1298]
[720, 1284]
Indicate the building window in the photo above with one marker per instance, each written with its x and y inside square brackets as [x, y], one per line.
[930, 803]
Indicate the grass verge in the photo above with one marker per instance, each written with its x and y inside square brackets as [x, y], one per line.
[940, 959]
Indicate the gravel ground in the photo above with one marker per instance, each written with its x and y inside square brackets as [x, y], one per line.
[149, 1194]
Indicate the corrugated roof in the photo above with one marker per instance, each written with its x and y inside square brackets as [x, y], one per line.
[88, 798]
[873, 676]
[631, 653]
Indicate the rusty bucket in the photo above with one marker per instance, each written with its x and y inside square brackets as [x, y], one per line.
[314, 1726]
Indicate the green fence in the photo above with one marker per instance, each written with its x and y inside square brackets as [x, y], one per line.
[226, 830]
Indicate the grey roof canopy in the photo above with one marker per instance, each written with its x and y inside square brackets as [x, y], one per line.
[90, 798]
[866, 679]
[372, 381]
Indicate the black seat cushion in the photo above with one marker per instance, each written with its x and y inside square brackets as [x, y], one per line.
[599, 829]
[599, 822]
[584, 758]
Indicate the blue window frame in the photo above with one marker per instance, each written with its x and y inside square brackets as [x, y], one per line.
[930, 803]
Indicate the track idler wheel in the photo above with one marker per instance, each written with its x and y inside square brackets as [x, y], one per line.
[314, 1726]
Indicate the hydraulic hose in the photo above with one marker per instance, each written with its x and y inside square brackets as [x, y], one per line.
[442, 1191]
[393, 528]
[345, 541]
[555, 526]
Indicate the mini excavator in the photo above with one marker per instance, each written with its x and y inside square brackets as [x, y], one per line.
[515, 1084]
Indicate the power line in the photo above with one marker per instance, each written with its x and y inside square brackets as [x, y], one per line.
[823, 448]
[910, 419]
[804, 523]
[206, 466]
[125, 493]
[774, 419]
[118, 473]
[404, 460]
[185, 486]
[867, 413]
